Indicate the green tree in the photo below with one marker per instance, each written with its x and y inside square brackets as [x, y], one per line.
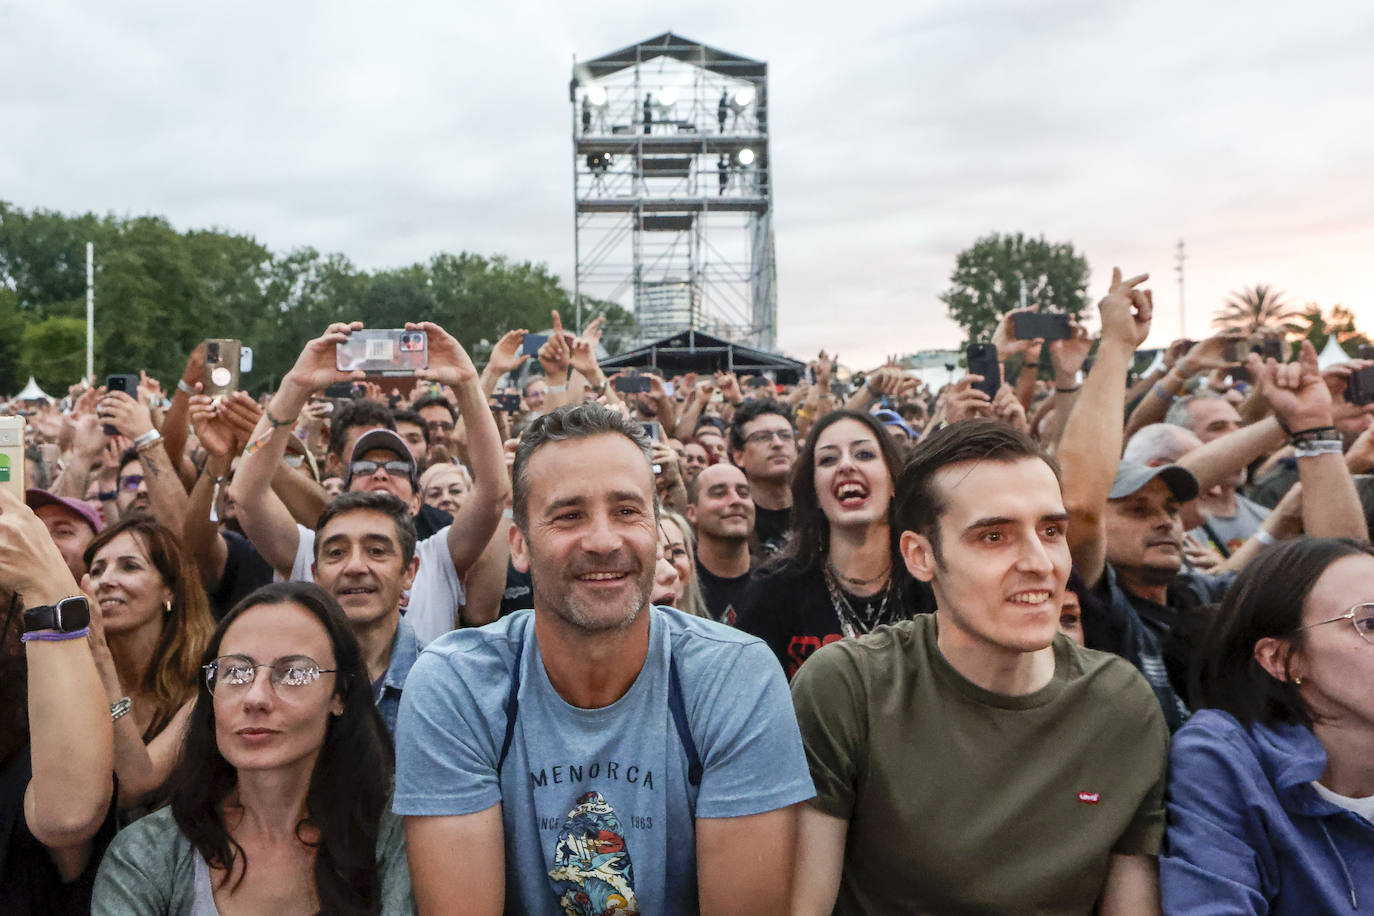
[988, 278]
[54, 352]
[1256, 309]
[1319, 326]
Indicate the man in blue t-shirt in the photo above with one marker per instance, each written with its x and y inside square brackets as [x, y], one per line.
[593, 755]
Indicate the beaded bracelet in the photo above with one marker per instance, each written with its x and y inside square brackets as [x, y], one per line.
[54, 635]
[120, 708]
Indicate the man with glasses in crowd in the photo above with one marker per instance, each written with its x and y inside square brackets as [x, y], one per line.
[763, 444]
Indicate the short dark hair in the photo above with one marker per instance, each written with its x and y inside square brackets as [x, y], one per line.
[1265, 601]
[920, 503]
[127, 457]
[431, 400]
[572, 421]
[752, 410]
[352, 414]
[402, 415]
[374, 501]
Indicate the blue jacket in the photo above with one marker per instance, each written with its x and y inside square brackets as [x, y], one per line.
[1249, 834]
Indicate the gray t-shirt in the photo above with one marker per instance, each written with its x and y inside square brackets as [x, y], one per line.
[596, 805]
[1233, 530]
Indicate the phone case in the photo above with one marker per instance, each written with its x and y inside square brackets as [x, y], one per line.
[12, 455]
[383, 352]
[221, 374]
[982, 360]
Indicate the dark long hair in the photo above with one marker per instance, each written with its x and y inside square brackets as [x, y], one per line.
[808, 543]
[349, 786]
[1264, 602]
[173, 669]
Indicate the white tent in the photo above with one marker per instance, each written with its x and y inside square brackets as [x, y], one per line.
[32, 392]
[1332, 353]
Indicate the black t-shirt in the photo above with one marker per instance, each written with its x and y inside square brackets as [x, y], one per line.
[519, 593]
[771, 527]
[245, 571]
[791, 611]
[29, 881]
[723, 596]
[430, 521]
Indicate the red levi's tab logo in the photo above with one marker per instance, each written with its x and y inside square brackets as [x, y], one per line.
[1089, 798]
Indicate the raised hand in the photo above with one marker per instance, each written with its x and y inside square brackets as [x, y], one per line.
[130, 417]
[506, 355]
[449, 363]
[1126, 311]
[1069, 355]
[1005, 340]
[316, 367]
[963, 400]
[213, 430]
[1212, 353]
[1296, 391]
[555, 355]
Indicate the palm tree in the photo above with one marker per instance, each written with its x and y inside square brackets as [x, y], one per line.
[1257, 308]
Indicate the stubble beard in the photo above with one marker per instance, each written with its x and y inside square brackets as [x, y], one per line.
[571, 610]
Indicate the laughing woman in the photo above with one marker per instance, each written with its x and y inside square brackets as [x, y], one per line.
[149, 624]
[280, 802]
[841, 572]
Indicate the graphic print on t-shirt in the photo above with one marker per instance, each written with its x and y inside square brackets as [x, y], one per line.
[592, 873]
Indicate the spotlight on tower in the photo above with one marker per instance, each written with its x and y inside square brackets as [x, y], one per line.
[745, 156]
[668, 97]
[742, 98]
[596, 96]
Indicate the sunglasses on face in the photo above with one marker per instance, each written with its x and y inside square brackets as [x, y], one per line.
[238, 671]
[131, 482]
[368, 468]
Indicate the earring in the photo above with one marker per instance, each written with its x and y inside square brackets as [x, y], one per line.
[167, 606]
[1297, 682]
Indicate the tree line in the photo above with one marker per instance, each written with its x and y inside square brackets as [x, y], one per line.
[160, 291]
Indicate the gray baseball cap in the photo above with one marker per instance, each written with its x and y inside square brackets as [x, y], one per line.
[1131, 477]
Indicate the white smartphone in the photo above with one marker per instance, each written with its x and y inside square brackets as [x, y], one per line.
[12, 455]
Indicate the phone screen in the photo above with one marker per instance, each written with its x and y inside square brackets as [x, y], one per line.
[531, 344]
[12, 455]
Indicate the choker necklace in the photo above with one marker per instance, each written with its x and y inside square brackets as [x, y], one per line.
[854, 622]
[830, 565]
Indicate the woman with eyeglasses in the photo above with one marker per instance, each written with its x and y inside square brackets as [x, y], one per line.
[1271, 782]
[150, 621]
[280, 803]
[841, 573]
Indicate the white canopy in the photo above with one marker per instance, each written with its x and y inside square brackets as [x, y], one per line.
[1332, 353]
[32, 392]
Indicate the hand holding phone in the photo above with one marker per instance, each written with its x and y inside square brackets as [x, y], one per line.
[391, 352]
[982, 361]
[12, 431]
[1041, 325]
[631, 384]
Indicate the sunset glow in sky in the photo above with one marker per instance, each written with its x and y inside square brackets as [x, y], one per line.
[900, 133]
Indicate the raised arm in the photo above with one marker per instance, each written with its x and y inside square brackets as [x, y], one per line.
[166, 493]
[178, 414]
[1090, 449]
[204, 543]
[1067, 357]
[477, 520]
[505, 357]
[1203, 356]
[261, 513]
[70, 739]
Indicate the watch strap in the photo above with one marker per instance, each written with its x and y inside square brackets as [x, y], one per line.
[67, 615]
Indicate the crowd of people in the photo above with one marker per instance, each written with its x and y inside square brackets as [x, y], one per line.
[523, 640]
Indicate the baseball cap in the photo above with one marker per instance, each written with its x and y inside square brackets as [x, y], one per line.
[1131, 477]
[387, 440]
[35, 498]
[892, 418]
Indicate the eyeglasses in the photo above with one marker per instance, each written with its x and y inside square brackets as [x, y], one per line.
[368, 468]
[131, 482]
[235, 671]
[1361, 615]
[440, 425]
[766, 436]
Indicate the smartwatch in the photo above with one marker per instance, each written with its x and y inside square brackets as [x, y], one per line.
[66, 616]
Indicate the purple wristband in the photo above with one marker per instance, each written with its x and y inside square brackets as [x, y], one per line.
[54, 635]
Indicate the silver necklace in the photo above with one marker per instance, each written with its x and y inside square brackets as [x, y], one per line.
[852, 623]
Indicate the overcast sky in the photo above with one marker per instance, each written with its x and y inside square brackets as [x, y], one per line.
[900, 133]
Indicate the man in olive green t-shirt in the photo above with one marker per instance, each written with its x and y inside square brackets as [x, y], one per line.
[973, 761]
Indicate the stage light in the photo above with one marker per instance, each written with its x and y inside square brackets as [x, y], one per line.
[668, 97]
[596, 96]
[743, 97]
[745, 156]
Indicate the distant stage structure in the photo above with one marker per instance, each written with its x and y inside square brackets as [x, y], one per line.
[672, 189]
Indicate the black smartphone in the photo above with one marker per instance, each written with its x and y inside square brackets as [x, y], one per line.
[632, 384]
[757, 381]
[508, 402]
[1234, 351]
[839, 389]
[982, 360]
[531, 344]
[125, 382]
[1041, 325]
[1272, 348]
[344, 390]
[1359, 389]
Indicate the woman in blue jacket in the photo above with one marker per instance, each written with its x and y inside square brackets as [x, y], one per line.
[1271, 783]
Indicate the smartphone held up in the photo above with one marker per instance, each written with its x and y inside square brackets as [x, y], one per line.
[392, 352]
[12, 455]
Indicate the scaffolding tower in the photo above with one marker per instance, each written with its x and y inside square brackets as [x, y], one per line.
[672, 190]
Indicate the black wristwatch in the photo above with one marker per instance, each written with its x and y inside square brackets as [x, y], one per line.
[66, 616]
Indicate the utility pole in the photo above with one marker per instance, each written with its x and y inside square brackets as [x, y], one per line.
[1179, 258]
[90, 312]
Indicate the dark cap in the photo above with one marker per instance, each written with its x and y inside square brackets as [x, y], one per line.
[384, 439]
[1131, 477]
[36, 498]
